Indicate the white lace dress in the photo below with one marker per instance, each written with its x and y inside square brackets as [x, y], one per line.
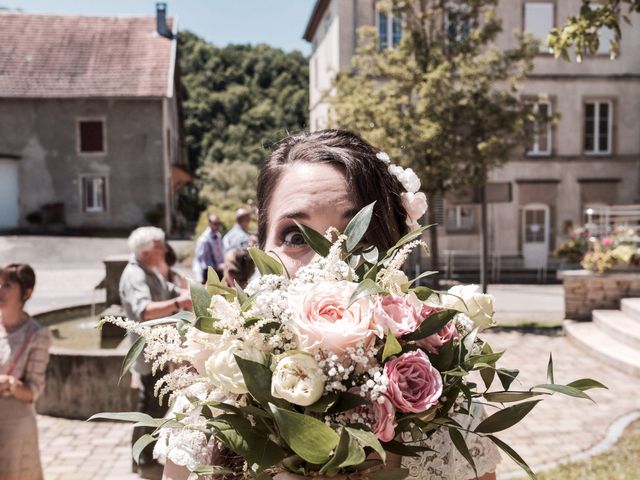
[190, 448]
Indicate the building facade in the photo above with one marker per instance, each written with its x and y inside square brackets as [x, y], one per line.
[589, 158]
[90, 122]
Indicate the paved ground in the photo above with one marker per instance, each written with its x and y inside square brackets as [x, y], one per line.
[69, 268]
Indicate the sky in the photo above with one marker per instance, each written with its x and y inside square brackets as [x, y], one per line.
[279, 23]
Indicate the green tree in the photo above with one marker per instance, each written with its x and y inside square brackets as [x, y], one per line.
[581, 31]
[445, 101]
[239, 99]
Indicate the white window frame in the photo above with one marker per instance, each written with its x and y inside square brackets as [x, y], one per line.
[458, 227]
[389, 29]
[79, 151]
[84, 207]
[536, 151]
[596, 124]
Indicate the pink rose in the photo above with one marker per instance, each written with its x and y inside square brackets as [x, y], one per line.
[382, 414]
[322, 318]
[607, 241]
[434, 342]
[414, 384]
[397, 313]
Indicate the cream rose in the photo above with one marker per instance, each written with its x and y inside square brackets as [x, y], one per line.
[477, 306]
[323, 318]
[223, 370]
[298, 379]
[415, 205]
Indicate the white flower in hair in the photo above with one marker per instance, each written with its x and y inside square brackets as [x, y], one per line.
[384, 157]
[416, 205]
[407, 178]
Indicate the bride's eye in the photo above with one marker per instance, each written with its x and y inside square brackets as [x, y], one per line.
[293, 238]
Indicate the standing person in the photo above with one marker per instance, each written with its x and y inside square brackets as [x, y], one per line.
[24, 354]
[146, 295]
[238, 236]
[209, 250]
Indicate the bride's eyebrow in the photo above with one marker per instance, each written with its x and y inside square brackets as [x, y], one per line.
[295, 215]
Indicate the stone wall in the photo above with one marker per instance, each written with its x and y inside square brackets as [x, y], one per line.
[81, 383]
[585, 291]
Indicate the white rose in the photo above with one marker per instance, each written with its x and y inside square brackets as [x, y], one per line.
[222, 368]
[415, 204]
[298, 379]
[477, 306]
[383, 156]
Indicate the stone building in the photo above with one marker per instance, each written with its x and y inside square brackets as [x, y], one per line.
[91, 133]
[590, 158]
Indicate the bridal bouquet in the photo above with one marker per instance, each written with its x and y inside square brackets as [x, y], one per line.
[328, 372]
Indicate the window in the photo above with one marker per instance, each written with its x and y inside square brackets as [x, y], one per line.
[540, 130]
[94, 194]
[597, 128]
[535, 223]
[457, 22]
[389, 30]
[91, 133]
[460, 218]
[605, 35]
[538, 21]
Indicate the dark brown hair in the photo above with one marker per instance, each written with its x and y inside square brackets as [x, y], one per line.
[240, 266]
[367, 175]
[19, 273]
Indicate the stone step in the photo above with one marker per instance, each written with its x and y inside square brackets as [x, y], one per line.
[589, 337]
[631, 306]
[618, 325]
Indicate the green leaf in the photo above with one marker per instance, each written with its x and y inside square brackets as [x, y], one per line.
[183, 315]
[368, 439]
[257, 378]
[550, 370]
[507, 376]
[323, 404]
[389, 474]
[365, 288]
[336, 403]
[371, 255]
[487, 375]
[423, 292]
[565, 390]
[508, 397]
[358, 226]
[505, 418]
[311, 439]
[315, 240]
[214, 285]
[348, 453]
[200, 298]
[391, 346]
[409, 237]
[266, 264]
[586, 384]
[131, 417]
[432, 324]
[514, 456]
[140, 445]
[403, 449]
[208, 325]
[461, 446]
[131, 356]
[489, 358]
[422, 275]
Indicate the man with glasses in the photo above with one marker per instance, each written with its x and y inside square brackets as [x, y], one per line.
[209, 250]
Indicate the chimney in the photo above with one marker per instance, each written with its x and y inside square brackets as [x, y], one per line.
[161, 21]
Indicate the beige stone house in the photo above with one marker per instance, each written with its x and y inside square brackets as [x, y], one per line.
[590, 158]
[90, 122]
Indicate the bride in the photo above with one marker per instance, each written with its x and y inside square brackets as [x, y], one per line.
[322, 179]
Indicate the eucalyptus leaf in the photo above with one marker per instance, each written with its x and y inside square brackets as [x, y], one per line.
[131, 356]
[432, 324]
[565, 390]
[586, 384]
[348, 453]
[315, 240]
[200, 298]
[309, 438]
[513, 455]
[358, 226]
[461, 446]
[391, 346]
[505, 418]
[266, 264]
[364, 289]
